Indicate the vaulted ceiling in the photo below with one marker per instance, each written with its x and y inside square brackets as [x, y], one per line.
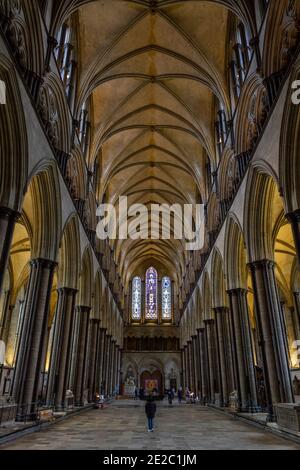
[153, 70]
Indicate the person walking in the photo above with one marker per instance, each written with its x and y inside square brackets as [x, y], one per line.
[179, 395]
[170, 397]
[150, 410]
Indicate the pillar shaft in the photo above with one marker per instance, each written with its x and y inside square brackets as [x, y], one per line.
[203, 365]
[104, 369]
[186, 366]
[195, 350]
[222, 341]
[182, 373]
[243, 350]
[297, 314]
[191, 366]
[33, 333]
[61, 348]
[101, 360]
[83, 320]
[209, 327]
[272, 334]
[6, 317]
[112, 367]
[294, 219]
[117, 369]
[8, 219]
[94, 345]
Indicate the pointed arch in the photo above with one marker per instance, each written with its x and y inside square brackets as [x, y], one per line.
[46, 203]
[86, 279]
[13, 138]
[261, 185]
[289, 169]
[207, 298]
[235, 255]
[252, 113]
[281, 36]
[218, 280]
[69, 257]
[53, 108]
[97, 296]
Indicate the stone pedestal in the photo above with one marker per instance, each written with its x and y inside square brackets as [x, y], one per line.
[129, 390]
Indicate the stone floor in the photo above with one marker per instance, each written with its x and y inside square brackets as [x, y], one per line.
[122, 426]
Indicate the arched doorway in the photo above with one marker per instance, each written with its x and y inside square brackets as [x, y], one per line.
[152, 381]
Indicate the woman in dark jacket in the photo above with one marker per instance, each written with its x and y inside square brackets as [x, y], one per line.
[150, 409]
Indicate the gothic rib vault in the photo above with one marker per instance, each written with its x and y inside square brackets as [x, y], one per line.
[163, 102]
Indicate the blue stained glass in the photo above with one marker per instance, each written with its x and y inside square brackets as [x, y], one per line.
[136, 298]
[166, 298]
[151, 294]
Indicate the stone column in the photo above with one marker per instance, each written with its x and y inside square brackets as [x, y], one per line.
[297, 313]
[61, 348]
[290, 326]
[186, 366]
[94, 345]
[243, 350]
[271, 332]
[198, 363]
[117, 370]
[182, 374]
[34, 329]
[209, 327]
[107, 364]
[195, 363]
[294, 219]
[8, 219]
[104, 366]
[98, 360]
[191, 366]
[101, 360]
[203, 364]
[42, 389]
[110, 363]
[220, 314]
[112, 366]
[83, 319]
[6, 317]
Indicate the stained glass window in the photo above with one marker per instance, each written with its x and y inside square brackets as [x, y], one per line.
[166, 291]
[136, 298]
[151, 294]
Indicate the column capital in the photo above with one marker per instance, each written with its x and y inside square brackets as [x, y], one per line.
[237, 292]
[263, 263]
[83, 309]
[43, 263]
[293, 217]
[67, 290]
[9, 213]
[254, 41]
[52, 41]
[221, 310]
[201, 330]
